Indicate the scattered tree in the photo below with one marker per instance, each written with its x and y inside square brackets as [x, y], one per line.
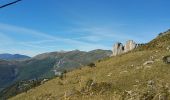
[91, 65]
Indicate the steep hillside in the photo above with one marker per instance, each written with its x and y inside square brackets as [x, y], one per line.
[8, 73]
[137, 75]
[13, 56]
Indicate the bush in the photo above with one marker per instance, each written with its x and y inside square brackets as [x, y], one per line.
[160, 34]
[99, 61]
[91, 65]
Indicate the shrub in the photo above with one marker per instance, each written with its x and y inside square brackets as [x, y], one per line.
[160, 34]
[91, 65]
[99, 61]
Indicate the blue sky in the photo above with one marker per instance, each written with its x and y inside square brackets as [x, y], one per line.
[35, 26]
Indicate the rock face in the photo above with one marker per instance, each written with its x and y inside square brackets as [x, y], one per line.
[119, 48]
[130, 45]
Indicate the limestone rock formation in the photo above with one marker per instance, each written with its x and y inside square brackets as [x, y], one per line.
[130, 45]
[119, 48]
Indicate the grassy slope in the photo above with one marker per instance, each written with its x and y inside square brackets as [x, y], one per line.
[124, 72]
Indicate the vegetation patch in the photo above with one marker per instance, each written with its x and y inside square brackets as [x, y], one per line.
[94, 88]
[91, 65]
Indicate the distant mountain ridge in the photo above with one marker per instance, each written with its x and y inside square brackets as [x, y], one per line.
[8, 73]
[6, 56]
[45, 65]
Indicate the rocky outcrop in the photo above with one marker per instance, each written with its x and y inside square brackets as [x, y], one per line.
[166, 59]
[119, 48]
[130, 45]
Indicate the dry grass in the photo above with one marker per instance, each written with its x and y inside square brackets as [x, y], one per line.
[125, 73]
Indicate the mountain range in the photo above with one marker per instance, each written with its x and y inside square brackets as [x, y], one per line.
[7, 56]
[14, 68]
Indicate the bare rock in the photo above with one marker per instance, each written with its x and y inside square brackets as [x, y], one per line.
[109, 74]
[118, 49]
[148, 62]
[166, 59]
[168, 48]
[130, 45]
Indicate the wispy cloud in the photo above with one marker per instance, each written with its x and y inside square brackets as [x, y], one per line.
[47, 39]
[96, 34]
[87, 38]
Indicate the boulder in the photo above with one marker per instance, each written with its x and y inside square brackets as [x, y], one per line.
[148, 62]
[166, 59]
[168, 48]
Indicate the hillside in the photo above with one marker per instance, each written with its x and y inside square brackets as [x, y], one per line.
[8, 73]
[6, 56]
[47, 64]
[44, 66]
[137, 75]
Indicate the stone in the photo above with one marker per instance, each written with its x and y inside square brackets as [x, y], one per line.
[109, 74]
[148, 62]
[130, 45]
[123, 72]
[166, 59]
[118, 49]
